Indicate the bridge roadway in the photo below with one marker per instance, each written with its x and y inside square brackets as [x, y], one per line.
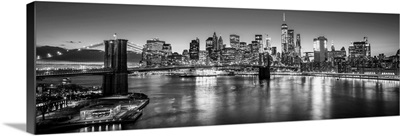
[60, 73]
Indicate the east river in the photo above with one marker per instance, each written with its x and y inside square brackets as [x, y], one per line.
[178, 101]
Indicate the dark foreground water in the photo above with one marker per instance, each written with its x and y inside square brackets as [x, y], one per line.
[178, 102]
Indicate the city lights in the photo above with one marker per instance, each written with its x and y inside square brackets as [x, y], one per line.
[211, 69]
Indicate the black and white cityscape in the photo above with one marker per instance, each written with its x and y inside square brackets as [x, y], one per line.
[107, 67]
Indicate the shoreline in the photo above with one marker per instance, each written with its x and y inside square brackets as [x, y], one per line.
[336, 75]
[339, 75]
[130, 116]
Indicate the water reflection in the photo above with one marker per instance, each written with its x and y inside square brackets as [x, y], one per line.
[205, 99]
[177, 101]
[105, 127]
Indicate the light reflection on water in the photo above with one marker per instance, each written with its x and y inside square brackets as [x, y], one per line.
[177, 101]
[97, 128]
[227, 100]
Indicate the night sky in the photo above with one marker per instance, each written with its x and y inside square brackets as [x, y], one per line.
[78, 25]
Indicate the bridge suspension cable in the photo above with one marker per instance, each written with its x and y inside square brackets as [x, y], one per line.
[130, 47]
[134, 47]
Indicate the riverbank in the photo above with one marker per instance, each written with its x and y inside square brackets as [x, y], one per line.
[337, 75]
[131, 111]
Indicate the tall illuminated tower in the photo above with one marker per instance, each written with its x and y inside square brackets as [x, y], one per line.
[210, 47]
[284, 35]
[215, 41]
[220, 46]
[259, 40]
[194, 49]
[284, 41]
[290, 41]
[268, 45]
[320, 49]
[220, 43]
[298, 45]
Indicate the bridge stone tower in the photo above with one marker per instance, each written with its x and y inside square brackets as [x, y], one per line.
[115, 58]
[265, 64]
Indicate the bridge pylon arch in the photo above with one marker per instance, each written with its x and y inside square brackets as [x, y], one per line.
[115, 58]
[264, 71]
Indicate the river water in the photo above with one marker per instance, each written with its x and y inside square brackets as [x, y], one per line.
[178, 101]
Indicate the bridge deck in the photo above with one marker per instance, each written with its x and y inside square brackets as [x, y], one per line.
[51, 73]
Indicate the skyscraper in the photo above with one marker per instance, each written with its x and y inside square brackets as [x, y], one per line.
[360, 49]
[320, 49]
[234, 41]
[268, 45]
[153, 52]
[194, 49]
[209, 46]
[255, 50]
[203, 56]
[220, 44]
[255, 47]
[273, 51]
[298, 45]
[284, 35]
[336, 54]
[176, 58]
[213, 47]
[243, 46]
[259, 40]
[284, 42]
[228, 55]
[290, 52]
[167, 49]
[185, 55]
[290, 42]
[215, 41]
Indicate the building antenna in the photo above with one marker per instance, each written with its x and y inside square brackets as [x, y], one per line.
[284, 17]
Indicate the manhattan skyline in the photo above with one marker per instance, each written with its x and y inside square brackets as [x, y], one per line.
[72, 25]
